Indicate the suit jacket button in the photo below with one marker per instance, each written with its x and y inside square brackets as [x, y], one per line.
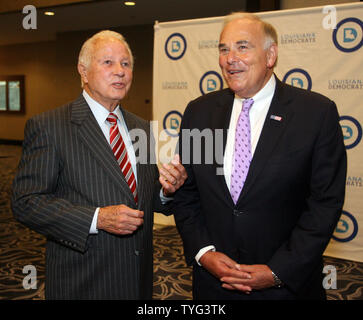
[238, 213]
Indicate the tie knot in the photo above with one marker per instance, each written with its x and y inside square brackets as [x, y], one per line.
[247, 104]
[112, 118]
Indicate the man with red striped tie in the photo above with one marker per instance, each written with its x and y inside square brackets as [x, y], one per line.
[81, 183]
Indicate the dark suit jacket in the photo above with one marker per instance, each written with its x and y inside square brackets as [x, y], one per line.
[67, 170]
[291, 201]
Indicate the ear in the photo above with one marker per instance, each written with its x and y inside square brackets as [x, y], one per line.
[272, 53]
[82, 70]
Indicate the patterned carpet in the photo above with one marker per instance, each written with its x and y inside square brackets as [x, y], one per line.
[19, 247]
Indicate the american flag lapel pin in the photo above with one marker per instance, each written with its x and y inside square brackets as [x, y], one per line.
[277, 118]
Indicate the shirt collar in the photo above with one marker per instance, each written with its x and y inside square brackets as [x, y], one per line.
[98, 110]
[267, 91]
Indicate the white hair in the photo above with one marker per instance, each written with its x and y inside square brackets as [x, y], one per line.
[87, 50]
[269, 30]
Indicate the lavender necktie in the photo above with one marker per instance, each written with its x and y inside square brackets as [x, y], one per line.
[242, 150]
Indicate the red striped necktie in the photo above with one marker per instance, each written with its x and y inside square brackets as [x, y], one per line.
[119, 149]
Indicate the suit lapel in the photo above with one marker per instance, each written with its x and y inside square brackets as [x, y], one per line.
[221, 120]
[93, 138]
[270, 135]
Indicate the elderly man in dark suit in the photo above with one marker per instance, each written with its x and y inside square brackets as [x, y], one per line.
[82, 185]
[259, 229]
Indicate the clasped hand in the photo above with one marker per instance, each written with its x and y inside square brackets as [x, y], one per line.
[236, 276]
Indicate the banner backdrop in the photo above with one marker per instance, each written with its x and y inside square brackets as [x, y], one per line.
[312, 55]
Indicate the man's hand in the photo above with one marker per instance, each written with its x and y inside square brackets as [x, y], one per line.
[223, 267]
[261, 278]
[172, 176]
[119, 219]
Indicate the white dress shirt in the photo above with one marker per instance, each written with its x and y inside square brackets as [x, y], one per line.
[258, 113]
[101, 114]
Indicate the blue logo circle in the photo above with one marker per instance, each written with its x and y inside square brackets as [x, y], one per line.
[172, 122]
[350, 36]
[352, 131]
[210, 81]
[175, 46]
[298, 78]
[346, 229]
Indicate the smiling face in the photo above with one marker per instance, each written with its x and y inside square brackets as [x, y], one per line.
[108, 77]
[245, 63]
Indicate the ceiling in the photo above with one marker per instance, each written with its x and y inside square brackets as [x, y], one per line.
[87, 15]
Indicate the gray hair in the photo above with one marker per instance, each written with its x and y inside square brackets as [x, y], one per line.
[269, 30]
[85, 55]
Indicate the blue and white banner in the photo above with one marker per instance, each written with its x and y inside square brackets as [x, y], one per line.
[312, 55]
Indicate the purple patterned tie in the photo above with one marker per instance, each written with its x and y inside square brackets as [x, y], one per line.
[242, 150]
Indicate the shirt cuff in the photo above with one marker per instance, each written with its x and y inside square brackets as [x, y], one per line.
[203, 251]
[93, 229]
[164, 199]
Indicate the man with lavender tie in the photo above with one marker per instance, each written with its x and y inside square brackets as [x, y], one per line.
[255, 225]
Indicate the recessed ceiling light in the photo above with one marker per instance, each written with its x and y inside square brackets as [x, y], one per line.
[49, 13]
[129, 3]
